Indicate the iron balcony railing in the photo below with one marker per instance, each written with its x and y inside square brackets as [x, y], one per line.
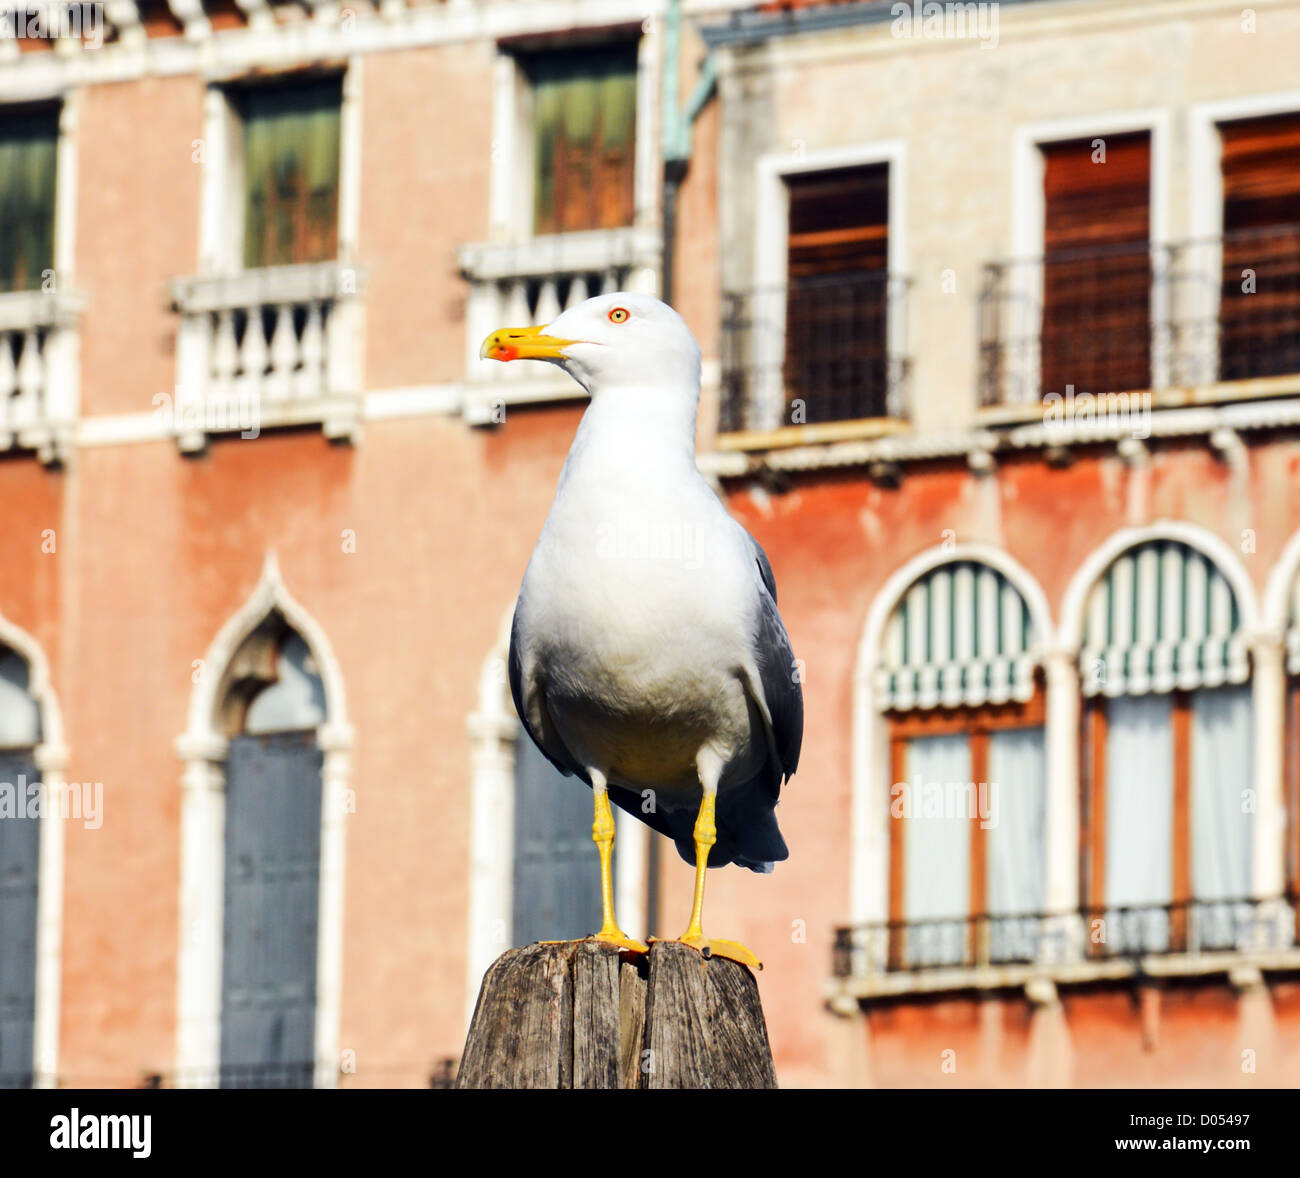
[1141, 317]
[816, 350]
[1059, 939]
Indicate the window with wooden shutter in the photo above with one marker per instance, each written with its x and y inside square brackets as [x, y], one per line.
[20, 845]
[1259, 310]
[1096, 326]
[291, 171]
[584, 138]
[837, 296]
[272, 881]
[28, 150]
[556, 885]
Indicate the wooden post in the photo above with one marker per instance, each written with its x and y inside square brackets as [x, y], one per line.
[573, 1014]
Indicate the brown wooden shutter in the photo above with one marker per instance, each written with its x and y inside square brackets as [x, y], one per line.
[584, 138]
[1259, 328]
[837, 296]
[1096, 326]
[291, 172]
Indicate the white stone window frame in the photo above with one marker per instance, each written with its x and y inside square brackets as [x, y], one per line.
[869, 887]
[1029, 219]
[51, 757]
[1205, 227]
[492, 729]
[221, 216]
[772, 244]
[203, 747]
[514, 249]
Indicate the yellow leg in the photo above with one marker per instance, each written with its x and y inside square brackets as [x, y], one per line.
[602, 831]
[706, 834]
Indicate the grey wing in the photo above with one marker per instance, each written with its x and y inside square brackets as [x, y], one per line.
[778, 673]
[546, 739]
[764, 565]
[779, 678]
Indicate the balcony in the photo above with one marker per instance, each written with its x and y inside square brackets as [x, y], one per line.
[1189, 321]
[258, 349]
[815, 353]
[1186, 938]
[533, 281]
[38, 371]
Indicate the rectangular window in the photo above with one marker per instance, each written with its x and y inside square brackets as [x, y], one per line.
[28, 152]
[1171, 827]
[291, 171]
[584, 138]
[1096, 318]
[836, 320]
[1259, 309]
[967, 835]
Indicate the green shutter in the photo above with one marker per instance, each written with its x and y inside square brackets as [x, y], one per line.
[584, 136]
[28, 151]
[291, 173]
[961, 636]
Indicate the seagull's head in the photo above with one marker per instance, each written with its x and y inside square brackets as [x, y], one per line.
[620, 340]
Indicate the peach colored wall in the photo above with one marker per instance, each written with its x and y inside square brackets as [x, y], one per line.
[833, 540]
[426, 161]
[156, 551]
[167, 549]
[137, 229]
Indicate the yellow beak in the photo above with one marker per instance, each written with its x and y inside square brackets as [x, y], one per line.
[523, 343]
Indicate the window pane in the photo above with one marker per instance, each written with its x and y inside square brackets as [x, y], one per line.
[1017, 815]
[837, 296]
[584, 128]
[28, 142]
[556, 868]
[1097, 268]
[1139, 819]
[1259, 322]
[291, 173]
[1222, 829]
[936, 849]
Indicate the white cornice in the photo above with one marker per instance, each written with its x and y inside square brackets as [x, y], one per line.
[935, 445]
[333, 34]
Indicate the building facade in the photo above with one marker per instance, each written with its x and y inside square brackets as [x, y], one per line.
[1001, 334]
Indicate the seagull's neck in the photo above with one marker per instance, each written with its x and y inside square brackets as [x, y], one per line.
[638, 426]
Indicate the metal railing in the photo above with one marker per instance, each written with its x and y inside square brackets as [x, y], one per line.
[1141, 317]
[819, 349]
[1044, 939]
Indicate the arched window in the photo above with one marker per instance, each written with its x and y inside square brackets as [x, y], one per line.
[958, 684]
[272, 708]
[20, 845]
[1167, 752]
[556, 892]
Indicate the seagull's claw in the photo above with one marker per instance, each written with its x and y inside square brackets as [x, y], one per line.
[713, 947]
[621, 939]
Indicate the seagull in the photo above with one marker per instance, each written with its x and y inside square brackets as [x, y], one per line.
[647, 656]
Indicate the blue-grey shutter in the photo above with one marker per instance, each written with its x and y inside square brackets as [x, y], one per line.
[268, 981]
[557, 871]
[20, 845]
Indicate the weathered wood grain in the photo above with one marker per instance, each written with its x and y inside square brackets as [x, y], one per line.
[578, 1014]
[631, 1002]
[596, 1041]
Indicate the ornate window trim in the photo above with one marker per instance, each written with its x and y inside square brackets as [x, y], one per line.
[202, 747]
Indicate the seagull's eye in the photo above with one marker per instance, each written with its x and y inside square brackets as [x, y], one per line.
[618, 315]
